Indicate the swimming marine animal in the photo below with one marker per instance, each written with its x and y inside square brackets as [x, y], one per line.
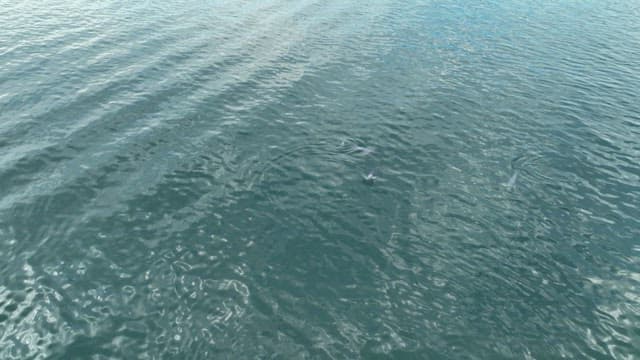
[512, 180]
[369, 178]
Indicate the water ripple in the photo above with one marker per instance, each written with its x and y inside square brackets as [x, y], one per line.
[185, 179]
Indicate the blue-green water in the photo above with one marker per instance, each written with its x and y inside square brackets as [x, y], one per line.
[185, 179]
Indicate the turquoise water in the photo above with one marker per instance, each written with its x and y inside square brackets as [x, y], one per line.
[188, 179]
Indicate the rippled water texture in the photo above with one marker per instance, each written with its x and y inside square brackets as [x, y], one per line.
[210, 179]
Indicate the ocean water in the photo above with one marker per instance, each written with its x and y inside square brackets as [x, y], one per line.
[384, 179]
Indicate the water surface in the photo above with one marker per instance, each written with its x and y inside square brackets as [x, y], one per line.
[185, 179]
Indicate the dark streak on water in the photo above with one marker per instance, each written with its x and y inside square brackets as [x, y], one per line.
[184, 179]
